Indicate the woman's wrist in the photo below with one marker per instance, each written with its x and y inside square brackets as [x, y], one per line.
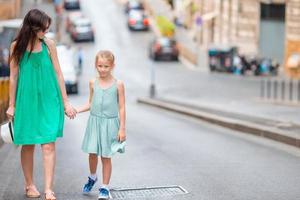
[12, 105]
[66, 103]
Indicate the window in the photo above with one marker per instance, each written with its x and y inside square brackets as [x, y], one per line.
[273, 11]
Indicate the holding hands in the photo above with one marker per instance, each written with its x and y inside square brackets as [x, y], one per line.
[70, 111]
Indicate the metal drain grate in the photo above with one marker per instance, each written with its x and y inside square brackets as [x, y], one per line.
[157, 191]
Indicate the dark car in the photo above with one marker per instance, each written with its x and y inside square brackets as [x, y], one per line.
[133, 5]
[4, 67]
[137, 20]
[8, 31]
[82, 30]
[164, 48]
[72, 4]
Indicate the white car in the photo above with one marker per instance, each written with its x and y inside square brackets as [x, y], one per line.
[71, 17]
[82, 30]
[66, 61]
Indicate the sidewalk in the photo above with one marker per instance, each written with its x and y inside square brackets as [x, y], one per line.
[280, 131]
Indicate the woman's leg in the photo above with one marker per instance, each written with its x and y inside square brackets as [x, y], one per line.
[93, 161]
[106, 170]
[27, 153]
[27, 163]
[49, 157]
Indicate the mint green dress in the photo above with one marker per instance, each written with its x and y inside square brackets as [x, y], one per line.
[103, 124]
[39, 112]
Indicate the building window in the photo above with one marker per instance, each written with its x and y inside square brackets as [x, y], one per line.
[273, 11]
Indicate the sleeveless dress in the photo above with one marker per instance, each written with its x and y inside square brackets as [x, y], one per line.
[103, 124]
[39, 112]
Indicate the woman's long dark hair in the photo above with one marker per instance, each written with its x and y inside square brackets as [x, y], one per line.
[34, 21]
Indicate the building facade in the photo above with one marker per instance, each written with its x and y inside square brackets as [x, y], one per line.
[292, 38]
[9, 9]
[268, 28]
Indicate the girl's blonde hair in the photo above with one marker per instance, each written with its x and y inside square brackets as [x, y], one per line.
[106, 55]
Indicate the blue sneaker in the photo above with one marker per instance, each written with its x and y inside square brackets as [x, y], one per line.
[103, 194]
[89, 185]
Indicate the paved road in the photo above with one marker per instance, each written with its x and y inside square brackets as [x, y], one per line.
[163, 148]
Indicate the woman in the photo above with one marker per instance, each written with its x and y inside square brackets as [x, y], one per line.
[38, 98]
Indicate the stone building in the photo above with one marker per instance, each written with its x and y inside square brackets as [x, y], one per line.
[9, 9]
[292, 38]
[268, 28]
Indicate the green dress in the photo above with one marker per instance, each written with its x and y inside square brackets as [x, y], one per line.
[103, 124]
[39, 112]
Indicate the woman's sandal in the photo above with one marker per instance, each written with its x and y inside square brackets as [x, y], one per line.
[50, 195]
[32, 192]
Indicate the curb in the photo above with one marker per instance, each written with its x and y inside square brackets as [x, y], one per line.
[234, 124]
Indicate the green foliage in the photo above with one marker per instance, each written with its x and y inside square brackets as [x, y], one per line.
[166, 27]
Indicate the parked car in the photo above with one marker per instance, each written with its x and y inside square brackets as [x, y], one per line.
[82, 30]
[4, 67]
[71, 17]
[8, 31]
[137, 20]
[72, 4]
[68, 68]
[164, 48]
[221, 58]
[133, 5]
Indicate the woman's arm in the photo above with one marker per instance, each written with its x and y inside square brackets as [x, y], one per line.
[70, 111]
[122, 112]
[13, 81]
[87, 106]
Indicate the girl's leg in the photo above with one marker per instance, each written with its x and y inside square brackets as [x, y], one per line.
[93, 161]
[27, 163]
[49, 165]
[106, 170]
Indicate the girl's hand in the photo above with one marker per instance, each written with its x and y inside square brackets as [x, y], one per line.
[121, 136]
[10, 112]
[70, 111]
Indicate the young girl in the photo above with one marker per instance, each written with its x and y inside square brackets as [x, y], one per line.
[105, 132]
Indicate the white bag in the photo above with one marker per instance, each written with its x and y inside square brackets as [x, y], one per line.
[7, 132]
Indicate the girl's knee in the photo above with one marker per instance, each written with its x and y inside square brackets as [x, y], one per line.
[93, 156]
[105, 160]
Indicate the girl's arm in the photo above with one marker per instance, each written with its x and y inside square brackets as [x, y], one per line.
[122, 112]
[13, 80]
[87, 106]
[70, 111]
